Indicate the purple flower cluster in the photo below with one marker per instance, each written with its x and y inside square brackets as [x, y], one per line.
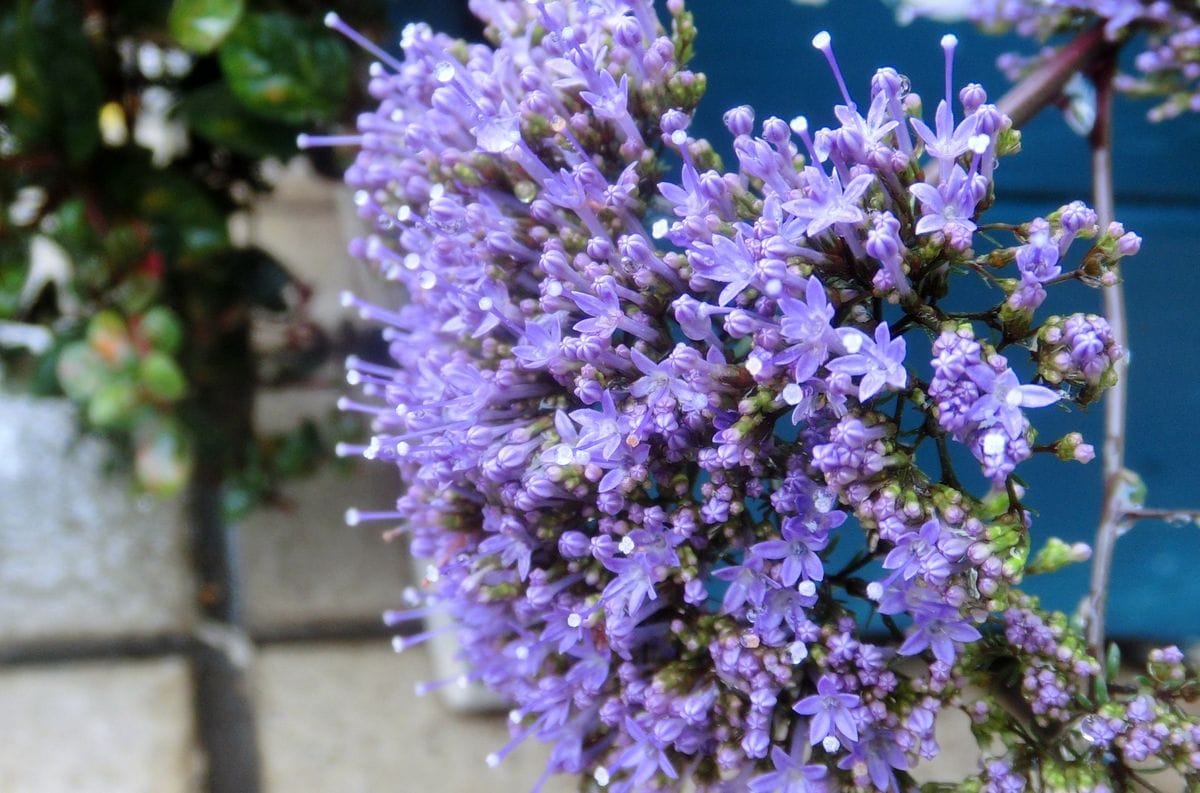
[979, 401]
[638, 401]
[1168, 67]
[1078, 349]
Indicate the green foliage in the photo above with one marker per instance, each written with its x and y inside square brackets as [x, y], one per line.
[285, 69]
[214, 114]
[201, 25]
[130, 131]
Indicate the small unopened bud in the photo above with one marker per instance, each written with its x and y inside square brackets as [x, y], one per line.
[1056, 554]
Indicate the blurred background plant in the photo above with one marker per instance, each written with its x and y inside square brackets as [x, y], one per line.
[131, 131]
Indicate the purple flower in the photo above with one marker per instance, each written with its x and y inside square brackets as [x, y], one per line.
[940, 632]
[880, 752]
[790, 776]
[805, 324]
[603, 430]
[917, 552]
[747, 584]
[1039, 256]
[826, 203]
[728, 262]
[879, 362]
[949, 207]
[798, 550]
[542, 342]
[831, 710]
[1002, 398]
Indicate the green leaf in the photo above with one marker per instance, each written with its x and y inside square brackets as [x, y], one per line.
[113, 404]
[161, 377]
[80, 371]
[284, 69]
[201, 25]
[162, 329]
[300, 451]
[59, 85]
[187, 220]
[1112, 663]
[14, 269]
[214, 114]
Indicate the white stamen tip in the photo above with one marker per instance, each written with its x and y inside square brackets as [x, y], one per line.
[332, 20]
[347, 299]
[302, 141]
[679, 137]
[659, 229]
[799, 125]
[574, 620]
[514, 716]
[979, 143]
[807, 588]
[493, 760]
[875, 590]
[822, 40]
[352, 517]
[601, 776]
[444, 72]
[343, 402]
[398, 644]
[831, 744]
[949, 41]
[626, 545]
[432, 574]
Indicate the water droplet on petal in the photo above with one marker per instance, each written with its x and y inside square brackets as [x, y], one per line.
[498, 134]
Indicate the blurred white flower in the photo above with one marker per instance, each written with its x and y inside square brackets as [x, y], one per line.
[941, 10]
[150, 60]
[49, 265]
[24, 210]
[177, 62]
[155, 130]
[8, 88]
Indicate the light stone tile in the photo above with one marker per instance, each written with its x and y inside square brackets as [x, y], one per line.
[80, 555]
[99, 728]
[344, 719]
[958, 758]
[303, 565]
[304, 223]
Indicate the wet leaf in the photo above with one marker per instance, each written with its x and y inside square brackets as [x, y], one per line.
[284, 69]
[201, 25]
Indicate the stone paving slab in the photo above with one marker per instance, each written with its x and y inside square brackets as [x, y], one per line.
[111, 727]
[344, 719]
[304, 565]
[80, 555]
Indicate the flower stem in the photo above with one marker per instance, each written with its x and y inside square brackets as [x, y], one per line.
[1112, 513]
[1044, 85]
